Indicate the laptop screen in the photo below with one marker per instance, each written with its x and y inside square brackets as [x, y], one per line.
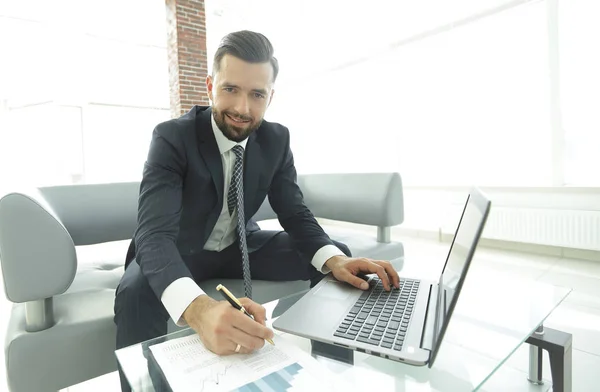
[459, 258]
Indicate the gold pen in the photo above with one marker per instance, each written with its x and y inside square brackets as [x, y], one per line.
[236, 303]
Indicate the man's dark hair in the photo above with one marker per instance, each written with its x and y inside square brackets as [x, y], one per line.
[248, 46]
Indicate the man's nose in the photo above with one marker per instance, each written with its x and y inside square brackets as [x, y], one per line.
[241, 105]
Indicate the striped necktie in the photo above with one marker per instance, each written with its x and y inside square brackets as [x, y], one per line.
[235, 198]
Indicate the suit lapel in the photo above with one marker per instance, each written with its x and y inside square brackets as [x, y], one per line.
[252, 169]
[209, 151]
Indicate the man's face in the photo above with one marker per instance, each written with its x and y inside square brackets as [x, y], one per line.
[240, 93]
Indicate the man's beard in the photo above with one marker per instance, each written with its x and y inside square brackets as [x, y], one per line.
[232, 132]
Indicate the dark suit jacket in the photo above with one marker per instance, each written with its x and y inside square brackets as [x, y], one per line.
[181, 195]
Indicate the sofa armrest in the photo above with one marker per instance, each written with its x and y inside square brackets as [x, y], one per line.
[374, 199]
[37, 253]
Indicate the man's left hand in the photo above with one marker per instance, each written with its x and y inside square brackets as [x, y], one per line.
[346, 269]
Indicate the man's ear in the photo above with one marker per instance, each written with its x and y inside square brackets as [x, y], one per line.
[209, 86]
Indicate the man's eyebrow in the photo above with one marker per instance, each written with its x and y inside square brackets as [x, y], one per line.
[260, 91]
[230, 85]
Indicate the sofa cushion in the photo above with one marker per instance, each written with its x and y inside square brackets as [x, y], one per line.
[99, 266]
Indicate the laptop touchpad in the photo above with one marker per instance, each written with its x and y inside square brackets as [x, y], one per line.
[334, 290]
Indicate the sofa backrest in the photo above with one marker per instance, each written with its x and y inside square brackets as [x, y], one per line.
[365, 198]
[96, 213]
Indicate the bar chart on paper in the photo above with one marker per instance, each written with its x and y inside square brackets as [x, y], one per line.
[291, 378]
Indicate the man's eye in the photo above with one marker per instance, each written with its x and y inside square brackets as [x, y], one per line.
[258, 95]
[228, 89]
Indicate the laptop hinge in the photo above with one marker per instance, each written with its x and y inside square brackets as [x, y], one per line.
[429, 324]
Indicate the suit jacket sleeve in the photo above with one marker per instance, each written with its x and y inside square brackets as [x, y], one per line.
[159, 210]
[287, 202]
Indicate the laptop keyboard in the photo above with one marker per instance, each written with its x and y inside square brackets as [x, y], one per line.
[380, 317]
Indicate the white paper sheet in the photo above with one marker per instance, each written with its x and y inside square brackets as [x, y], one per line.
[189, 366]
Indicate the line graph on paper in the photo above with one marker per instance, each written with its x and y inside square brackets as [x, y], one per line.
[212, 378]
[186, 362]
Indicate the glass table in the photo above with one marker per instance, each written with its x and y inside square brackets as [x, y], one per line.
[491, 320]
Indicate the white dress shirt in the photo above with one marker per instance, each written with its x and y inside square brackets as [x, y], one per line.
[180, 294]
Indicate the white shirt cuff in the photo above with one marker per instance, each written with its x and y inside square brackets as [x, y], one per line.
[178, 296]
[324, 254]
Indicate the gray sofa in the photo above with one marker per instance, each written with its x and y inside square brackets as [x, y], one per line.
[62, 251]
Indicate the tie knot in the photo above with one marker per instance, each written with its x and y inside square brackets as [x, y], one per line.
[238, 151]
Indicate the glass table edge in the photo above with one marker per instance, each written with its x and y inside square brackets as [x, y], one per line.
[567, 292]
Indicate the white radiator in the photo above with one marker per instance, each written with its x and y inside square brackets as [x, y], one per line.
[577, 229]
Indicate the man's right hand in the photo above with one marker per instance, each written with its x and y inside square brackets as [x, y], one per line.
[221, 327]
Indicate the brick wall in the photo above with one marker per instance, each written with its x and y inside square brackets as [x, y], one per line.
[186, 47]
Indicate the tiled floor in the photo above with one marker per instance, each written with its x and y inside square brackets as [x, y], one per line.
[579, 314]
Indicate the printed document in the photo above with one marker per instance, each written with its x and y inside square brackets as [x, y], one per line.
[188, 366]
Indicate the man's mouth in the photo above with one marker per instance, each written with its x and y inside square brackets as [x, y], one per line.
[237, 120]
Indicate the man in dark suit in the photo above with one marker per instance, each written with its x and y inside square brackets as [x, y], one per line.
[206, 174]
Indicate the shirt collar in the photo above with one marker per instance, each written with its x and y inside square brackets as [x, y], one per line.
[222, 141]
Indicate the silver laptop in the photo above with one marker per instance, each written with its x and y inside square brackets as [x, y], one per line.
[405, 324]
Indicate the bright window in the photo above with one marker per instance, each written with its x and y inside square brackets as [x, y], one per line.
[580, 89]
[82, 85]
